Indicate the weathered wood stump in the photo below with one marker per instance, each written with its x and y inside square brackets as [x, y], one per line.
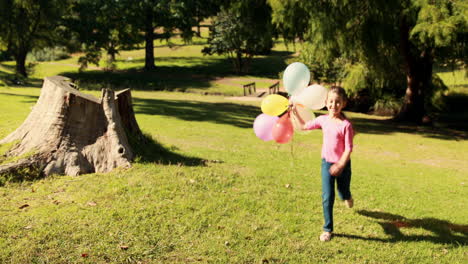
[68, 132]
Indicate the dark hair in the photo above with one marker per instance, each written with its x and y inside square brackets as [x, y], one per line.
[341, 92]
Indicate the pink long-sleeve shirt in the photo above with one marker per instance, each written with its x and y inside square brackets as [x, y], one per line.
[337, 136]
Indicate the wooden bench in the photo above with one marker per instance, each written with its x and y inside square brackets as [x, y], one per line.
[248, 88]
[274, 89]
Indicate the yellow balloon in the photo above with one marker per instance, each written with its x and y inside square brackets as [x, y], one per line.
[274, 104]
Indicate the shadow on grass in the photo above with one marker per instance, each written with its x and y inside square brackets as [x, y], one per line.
[220, 113]
[187, 72]
[197, 42]
[443, 231]
[164, 78]
[16, 80]
[456, 114]
[146, 150]
[388, 126]
[28, 98]
[7, 67]
[21, 175]
[447, 68]
[149, 150]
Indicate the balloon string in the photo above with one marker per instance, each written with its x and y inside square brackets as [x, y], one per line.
[292, 140]
[292, 151]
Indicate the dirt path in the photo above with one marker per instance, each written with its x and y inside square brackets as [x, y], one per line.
[236, 81]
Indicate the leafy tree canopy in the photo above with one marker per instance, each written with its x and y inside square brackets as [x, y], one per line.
[242, 31]
[396, 41]
[29, 24]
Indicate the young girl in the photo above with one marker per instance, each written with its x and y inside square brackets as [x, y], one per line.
[336, 151]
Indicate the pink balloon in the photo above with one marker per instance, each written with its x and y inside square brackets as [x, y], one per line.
[263, 126]
[283, 129]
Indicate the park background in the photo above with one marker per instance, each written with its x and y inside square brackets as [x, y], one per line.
[206, 189]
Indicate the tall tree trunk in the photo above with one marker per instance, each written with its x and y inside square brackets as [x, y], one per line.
[240, 62]
[111, 52]
[149, 42]
[20, 58]
[198, 29]
[418, 67]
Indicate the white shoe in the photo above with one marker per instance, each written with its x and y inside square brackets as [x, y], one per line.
[325, 236]
[349, 203]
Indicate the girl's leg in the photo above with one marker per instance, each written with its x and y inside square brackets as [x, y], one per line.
[344, 182]
[328, 196]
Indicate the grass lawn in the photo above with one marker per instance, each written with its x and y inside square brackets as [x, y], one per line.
[208, 190]
[221, 195]
[180, 67]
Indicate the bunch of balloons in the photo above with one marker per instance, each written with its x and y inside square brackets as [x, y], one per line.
[297, 110]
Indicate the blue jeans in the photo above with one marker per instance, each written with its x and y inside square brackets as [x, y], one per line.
[328, 191]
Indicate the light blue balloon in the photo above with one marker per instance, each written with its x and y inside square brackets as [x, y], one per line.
[296, 78]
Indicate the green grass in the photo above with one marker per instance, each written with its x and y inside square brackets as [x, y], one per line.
[456, 98]
[180, 67]
[185, 69]
[219, 194]
[205, 189]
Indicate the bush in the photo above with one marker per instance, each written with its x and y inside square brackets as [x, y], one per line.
[323, 68]
[49, 54]
[387, 106]
[5, 55]
[435, 95]
[356, 80]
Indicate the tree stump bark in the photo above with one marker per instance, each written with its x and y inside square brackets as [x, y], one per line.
[71, 133]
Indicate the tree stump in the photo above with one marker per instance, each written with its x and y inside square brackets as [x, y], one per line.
[71, 133]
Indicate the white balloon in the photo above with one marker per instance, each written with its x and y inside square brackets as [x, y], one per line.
[313, 97]
[296, 77]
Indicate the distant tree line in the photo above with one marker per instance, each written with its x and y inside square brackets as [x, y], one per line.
[378, 48]
[94, 26]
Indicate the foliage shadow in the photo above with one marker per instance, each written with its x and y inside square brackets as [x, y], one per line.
[389, 126]
[16, 80]
[164, 78]
[221, 113]
[444, 232]
[27, 98]
[146, 149]
[190, 72]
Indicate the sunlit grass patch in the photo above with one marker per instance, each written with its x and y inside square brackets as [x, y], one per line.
[207, 189]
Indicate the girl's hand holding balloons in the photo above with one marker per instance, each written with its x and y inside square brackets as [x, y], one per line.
[303, 98]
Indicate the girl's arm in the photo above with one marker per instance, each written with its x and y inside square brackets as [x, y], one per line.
[313, 124]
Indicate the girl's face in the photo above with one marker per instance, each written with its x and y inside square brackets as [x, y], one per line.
[334, 104]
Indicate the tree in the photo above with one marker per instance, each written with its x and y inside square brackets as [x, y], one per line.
[159, 20]
[29, 24]
[291, 19]
[389, 38]
[242, 31]
[203, 9]
[97, 25]
[113, 25]
[71, 133]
